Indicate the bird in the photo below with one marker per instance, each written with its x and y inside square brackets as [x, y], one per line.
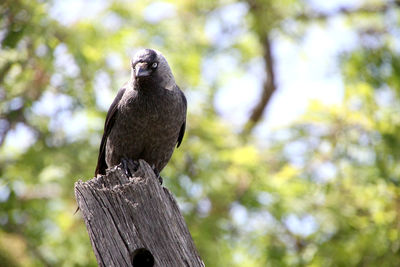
[147, 118]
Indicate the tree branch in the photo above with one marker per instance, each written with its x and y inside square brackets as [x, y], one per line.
[269, 88]
[367, 9]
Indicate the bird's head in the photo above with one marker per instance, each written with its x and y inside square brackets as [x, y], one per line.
[149, 68]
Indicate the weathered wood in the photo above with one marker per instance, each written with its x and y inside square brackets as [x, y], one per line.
[131, 220]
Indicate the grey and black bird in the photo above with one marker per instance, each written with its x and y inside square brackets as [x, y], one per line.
[147, 118]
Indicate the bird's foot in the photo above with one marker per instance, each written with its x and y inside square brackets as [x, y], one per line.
[77, 209]
[130, 166]
[157, 173]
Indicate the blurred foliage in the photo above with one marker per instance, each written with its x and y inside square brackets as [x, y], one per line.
[324, 191]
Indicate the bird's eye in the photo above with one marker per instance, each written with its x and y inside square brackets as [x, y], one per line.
[154, 65]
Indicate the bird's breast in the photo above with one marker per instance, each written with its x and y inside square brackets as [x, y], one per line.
[146, 128]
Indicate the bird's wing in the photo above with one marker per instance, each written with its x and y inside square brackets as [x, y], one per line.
[183, 127]
[110, 119]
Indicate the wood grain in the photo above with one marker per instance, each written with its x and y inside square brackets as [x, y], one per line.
[131, 220]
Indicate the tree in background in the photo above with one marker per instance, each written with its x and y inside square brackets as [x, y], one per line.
[323, 191]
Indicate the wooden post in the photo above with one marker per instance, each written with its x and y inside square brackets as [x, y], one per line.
[134, 221]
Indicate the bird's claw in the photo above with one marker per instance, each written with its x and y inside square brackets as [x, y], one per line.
[130, 166]
[157, 173]
[160, 179]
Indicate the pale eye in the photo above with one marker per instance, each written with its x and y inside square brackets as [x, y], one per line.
[154, 65]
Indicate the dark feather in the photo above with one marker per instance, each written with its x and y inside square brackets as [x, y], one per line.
[110, 119]
[183, 127]
[181, 134]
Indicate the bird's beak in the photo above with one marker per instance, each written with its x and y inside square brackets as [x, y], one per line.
[142, 70]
